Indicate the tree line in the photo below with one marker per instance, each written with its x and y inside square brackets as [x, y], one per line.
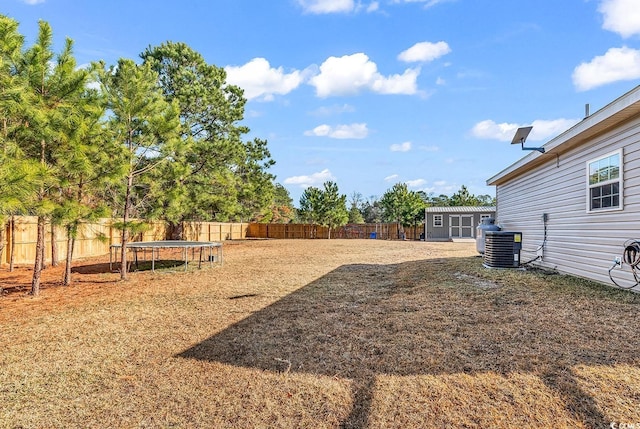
[399, 204]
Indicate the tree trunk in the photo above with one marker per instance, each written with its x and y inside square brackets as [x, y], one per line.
[3, 240]
[124, 238]
[54, 246]
[175, 230]
[125, 230]
[37, 267]
[43, 249]
[12, 248]
[40, 242]
[71, 241]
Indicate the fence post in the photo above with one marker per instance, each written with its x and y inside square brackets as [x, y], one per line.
[4, 252]
[12, 248]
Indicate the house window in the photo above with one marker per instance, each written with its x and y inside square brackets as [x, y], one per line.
[604, 182]
[437, 220]
[485, 216]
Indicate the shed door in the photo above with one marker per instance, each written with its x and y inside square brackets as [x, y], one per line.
[461, 226]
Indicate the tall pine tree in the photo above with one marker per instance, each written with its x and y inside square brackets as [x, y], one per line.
[86, 168]
[144, 126]
[14, 189]
[219, 177]
[52, 86]
[324, 207]
[335, 211]
[401, 205]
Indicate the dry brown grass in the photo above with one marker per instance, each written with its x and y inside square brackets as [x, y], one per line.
[323, 333]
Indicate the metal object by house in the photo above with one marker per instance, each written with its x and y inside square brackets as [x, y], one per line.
[502, 249]
[487, 224]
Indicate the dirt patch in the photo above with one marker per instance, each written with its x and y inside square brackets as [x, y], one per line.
[476, 281]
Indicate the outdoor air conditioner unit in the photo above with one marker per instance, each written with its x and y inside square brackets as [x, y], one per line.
[502, 249]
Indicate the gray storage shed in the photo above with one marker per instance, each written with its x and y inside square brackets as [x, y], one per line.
[451, 223]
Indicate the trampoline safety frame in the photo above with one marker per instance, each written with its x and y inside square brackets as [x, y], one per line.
[156, 246]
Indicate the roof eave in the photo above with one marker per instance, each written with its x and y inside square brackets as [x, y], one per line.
[613, 114]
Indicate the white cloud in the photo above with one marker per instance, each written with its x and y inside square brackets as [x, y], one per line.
[428, 3]
[314, 179]
[373, 6]
[320, 131]
[391, 178]
[352, 131]
[402, 147]
[615, 65]
[416, 183]
[261, 81]
[547, 129]
[490, 130]
[327, 6]
[621, 16]
[431, 3]
[440, 81]
[333, 110]
[424, 52]
[33, 2]
[405, 83]
[351, 74]
[542, 129]
[440, 187]
[320, 7]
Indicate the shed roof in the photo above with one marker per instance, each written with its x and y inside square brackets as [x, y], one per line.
[613, 114]
[460, 209]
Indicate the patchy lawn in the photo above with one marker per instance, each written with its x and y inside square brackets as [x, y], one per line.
[319, 333]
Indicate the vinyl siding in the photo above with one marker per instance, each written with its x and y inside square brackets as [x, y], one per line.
[579, 243]
[437, 233]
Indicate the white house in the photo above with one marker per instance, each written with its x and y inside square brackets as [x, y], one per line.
[578, 203]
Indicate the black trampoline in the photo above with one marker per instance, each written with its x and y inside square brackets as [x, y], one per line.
[154, 247]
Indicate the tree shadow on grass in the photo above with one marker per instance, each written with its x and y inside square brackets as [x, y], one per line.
[428, 318]
[98, 268]
[143, 265]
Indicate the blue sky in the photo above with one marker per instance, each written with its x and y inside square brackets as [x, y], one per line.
[373, 93]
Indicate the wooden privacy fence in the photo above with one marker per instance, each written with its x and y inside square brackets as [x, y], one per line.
[92, 240]
[384, 231]
[214, 231]
[95, 238]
